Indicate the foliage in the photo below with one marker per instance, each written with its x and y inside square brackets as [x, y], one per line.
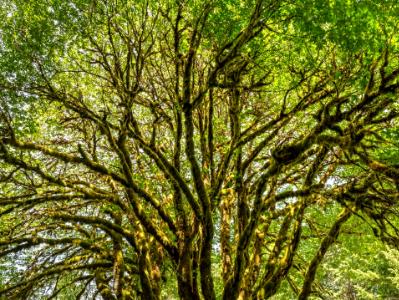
[198, 149]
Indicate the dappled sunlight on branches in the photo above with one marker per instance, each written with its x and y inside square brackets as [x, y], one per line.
[192, 150]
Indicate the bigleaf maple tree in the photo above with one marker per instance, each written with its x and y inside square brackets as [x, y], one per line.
[191, 149]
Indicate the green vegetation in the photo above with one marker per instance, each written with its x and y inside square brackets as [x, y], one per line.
[199, 149]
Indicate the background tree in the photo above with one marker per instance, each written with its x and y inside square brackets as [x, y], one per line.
[191, 149]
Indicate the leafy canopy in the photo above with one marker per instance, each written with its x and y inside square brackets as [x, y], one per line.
[198, 149]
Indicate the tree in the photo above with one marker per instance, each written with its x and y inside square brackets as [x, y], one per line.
[191, 149]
